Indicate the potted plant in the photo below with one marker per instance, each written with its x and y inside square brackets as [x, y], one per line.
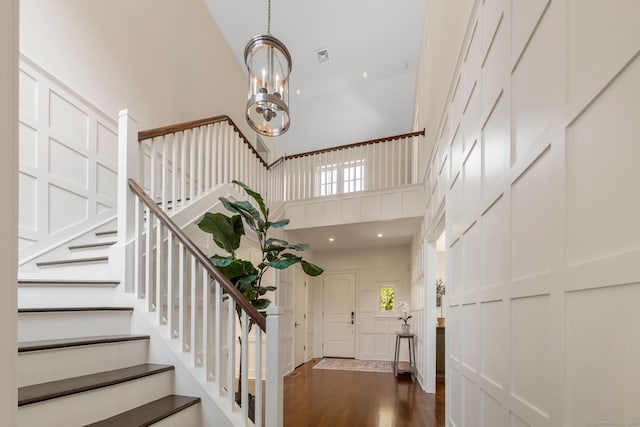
[440, 290]
[404, 307]
[227, 231]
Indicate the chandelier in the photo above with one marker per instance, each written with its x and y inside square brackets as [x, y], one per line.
[269, 64]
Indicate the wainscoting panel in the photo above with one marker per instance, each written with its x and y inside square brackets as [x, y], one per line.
[558, 230]
[68, 163]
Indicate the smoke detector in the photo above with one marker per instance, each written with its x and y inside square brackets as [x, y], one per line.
[323, 56]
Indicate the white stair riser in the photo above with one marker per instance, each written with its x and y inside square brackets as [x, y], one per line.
[190, 417]
[42, 326]
[76, 271]
[66, 296]
[50, 365]
[88, 407]
[89, 252]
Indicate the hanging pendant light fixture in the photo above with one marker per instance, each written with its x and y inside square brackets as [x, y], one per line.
[269, 64]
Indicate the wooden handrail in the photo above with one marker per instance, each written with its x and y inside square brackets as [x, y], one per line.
[195, 251]
[357, 144]
[179, 127]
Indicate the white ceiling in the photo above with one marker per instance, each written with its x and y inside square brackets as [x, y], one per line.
[359, 236]
[337, 105]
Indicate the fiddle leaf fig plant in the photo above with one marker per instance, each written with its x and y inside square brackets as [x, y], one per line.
[227, 231]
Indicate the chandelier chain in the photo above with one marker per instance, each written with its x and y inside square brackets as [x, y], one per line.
[268, 16]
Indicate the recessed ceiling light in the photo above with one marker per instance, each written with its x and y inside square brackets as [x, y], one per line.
[298, 92]
[380, 234]
[331, 239]
[365, 75]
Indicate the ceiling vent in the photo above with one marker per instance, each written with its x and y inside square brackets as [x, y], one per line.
[323, 56]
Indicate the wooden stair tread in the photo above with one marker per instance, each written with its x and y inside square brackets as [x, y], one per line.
[92, 245]
[107, 233]
[27, 346]
[35, 282]
[73, 261]
[65, 309]
[54, 389]
[149, 413]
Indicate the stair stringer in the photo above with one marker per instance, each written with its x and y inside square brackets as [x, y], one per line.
[188, 380]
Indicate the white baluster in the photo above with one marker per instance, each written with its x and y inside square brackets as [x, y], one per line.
[194, 310]
[258, 375]
[231, 348]
[244, 366]
[207, 158]
[192, 164]
[217, 338]
[171, 271]
[181, 299]
[184, 144]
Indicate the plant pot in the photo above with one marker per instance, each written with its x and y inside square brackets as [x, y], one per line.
[440, 322]
[406, 329]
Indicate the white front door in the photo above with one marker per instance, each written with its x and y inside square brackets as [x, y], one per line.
[300, 316]
[339, 315]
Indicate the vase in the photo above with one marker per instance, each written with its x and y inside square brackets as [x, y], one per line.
[406, 329]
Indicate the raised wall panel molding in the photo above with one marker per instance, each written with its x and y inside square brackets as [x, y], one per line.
[68, 163]
[401, 202]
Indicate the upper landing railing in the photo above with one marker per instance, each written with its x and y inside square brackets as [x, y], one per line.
[183, 161]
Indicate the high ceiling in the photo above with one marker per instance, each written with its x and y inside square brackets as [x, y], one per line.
[337, 105]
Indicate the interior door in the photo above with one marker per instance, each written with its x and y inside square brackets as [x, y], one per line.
[300, 318]
[339, 315]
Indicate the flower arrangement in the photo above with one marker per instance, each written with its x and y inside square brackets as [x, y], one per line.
[404, 307]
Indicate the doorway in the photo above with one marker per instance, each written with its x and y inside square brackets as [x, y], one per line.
[339, 315]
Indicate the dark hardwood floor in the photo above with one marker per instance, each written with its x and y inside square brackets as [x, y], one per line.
[320, 397]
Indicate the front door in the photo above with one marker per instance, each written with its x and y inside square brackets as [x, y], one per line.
[339, 315]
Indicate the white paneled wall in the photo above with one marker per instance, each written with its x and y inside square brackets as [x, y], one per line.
[536, 154]
[68, 163]
[375, 330]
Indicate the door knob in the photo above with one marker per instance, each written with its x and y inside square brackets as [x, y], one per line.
[297, 324]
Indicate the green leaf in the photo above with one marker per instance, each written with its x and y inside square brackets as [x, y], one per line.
[225, 231]
[261, 304]
[255, 195]
[220, 261]
[246, 281]
[265, 289]
[237, 269]
[281, 264]
[280, 224]
[311, 269]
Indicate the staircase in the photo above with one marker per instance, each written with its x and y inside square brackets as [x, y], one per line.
[82, 365]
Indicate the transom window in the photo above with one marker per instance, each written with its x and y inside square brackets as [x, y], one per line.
[339, 178]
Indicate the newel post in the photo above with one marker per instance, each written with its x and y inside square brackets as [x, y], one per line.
[275, 387]
[127, 168]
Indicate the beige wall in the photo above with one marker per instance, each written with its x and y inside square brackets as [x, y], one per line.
[443, 34]
[9, 213]
[536, 156]
[165, 60]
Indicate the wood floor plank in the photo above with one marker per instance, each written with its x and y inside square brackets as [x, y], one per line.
[328, 398]
[150, 413]
[68, 309]
[51, 390]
